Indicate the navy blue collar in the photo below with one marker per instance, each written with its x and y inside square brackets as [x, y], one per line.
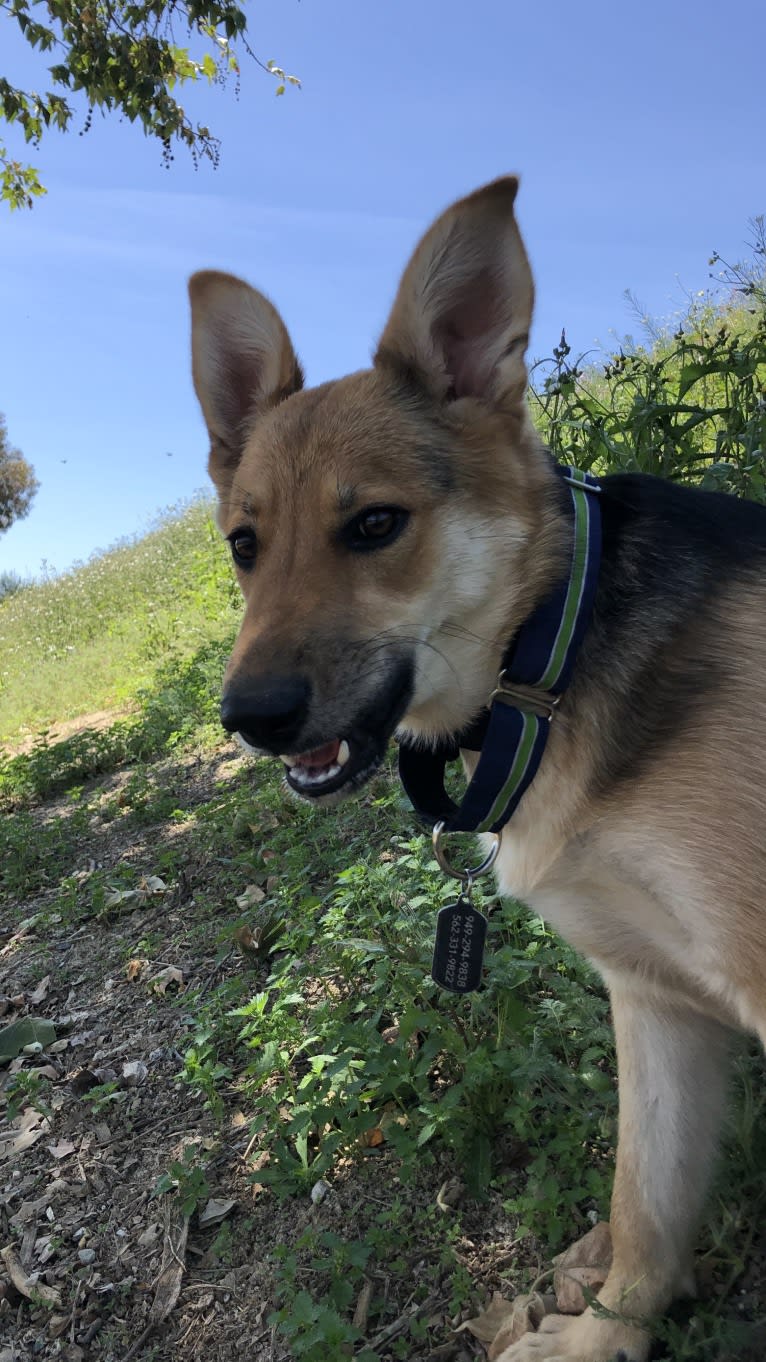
[512, 731]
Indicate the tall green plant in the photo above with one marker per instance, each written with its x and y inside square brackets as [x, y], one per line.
[691, 407]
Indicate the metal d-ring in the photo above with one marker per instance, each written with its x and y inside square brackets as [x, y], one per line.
[467, 875]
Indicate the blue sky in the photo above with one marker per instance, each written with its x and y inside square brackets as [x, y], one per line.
[637, 130]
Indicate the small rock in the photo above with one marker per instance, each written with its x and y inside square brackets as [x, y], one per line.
[134, 1073]
[105, 1075]
[87, 1256]
[319, 1191]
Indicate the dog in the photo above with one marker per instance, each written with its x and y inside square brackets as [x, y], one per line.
[391, 532]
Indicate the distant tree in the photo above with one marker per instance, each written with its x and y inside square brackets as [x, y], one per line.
[18, 483]
[125, 58]
[10, 584]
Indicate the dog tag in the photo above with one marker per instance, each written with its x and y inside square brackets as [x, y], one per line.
[459, 946]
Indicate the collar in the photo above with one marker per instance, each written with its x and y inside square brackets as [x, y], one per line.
[512, 731]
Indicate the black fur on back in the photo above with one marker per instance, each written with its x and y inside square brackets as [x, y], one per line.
[652, 654]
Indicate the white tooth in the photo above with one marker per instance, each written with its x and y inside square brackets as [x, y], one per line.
[302, 777]
[344, 752]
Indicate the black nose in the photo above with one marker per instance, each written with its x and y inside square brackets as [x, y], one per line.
[268, 712]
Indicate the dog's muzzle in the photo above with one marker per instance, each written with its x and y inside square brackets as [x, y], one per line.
[273, 715]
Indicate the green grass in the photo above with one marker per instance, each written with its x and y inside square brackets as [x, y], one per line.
[91, 639]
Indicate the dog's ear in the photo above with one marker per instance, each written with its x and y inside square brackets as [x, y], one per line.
[243, 362]
[460, 321]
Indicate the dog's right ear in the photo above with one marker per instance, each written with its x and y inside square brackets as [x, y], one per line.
[243, 362]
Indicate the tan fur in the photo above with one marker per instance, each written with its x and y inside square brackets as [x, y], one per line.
[659, 880]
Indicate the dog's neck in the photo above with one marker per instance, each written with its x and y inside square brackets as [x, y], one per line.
[512, 731]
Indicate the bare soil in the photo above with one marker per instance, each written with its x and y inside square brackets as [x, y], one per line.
[132, 1278]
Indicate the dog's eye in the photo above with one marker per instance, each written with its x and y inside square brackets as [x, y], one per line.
[244, 547]
[375, 527]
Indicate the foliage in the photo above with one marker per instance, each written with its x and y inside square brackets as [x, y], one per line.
[349, 1035]
[328, 1032]
[123, 58]
[318, 1329]
[18, 485]
[100, 633]
[186, 1177]
[691, 407]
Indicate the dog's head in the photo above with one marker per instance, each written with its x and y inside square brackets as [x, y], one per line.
[388, 528]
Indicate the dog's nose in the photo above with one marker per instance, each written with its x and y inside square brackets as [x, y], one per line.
[269, 712]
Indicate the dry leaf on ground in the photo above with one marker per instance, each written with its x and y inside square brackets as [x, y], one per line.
[23, 929]
[62, 1150]
[486, 1325]
[28, 1286]
[173, 1266]
[152, 884]
[361, 1313]
[117, 896]
[216, 1210]
[504, 1322]
[162, 981]
[39, 992]
[585, 1264]
[252, 894]
[24, 1131]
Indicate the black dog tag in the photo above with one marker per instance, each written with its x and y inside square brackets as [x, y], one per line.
[459, 946]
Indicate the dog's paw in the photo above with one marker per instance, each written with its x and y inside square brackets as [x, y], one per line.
[586, 1338]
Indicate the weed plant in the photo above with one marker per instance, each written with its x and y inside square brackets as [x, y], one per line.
[690, 407]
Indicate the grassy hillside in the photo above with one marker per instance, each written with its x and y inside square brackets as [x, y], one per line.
[298, 1043]
[93, 638]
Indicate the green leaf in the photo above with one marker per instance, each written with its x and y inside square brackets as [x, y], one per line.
[595, 1079]
[25, 1031]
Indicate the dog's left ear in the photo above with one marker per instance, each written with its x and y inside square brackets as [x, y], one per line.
[460, 321]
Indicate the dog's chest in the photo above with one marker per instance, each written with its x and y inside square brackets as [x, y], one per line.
[602, 912]
[644, 919]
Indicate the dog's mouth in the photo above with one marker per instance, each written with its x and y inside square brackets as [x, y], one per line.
[342, 764]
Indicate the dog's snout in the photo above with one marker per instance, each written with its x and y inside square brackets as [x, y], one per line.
[269, 712]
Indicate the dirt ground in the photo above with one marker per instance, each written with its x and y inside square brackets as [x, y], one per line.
[125, 1275]
[96, 1266]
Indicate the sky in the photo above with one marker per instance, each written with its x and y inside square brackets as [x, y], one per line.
[638, 132]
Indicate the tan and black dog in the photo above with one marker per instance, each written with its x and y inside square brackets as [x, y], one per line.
[391, 532]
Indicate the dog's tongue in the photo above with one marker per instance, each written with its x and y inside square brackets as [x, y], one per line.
[319, 756]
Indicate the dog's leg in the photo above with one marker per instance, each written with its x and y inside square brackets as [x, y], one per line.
[671, 1063]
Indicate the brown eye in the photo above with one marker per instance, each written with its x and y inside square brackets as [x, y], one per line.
[377, 524]
[244, 547]
[375, 527]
